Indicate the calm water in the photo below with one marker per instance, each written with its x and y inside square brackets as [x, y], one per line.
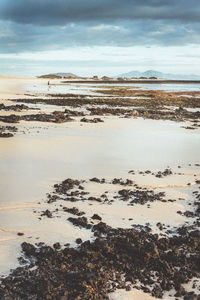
[165, 87]
[89, 89]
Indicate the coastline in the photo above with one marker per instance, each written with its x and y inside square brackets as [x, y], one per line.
[137, 81]
[76, 149]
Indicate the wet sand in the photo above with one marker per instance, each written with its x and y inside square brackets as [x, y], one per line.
[134, 295]
[14, 87]
[32, 162]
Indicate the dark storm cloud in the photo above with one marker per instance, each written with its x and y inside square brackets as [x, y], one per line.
[35, 25]
[22, 38]
[57, 12]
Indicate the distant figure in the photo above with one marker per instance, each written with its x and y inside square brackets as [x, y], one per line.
[48, 84]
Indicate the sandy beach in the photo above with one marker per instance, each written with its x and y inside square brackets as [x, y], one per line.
[99, 150]
[108, 179]
[12, 87]
[15, 87]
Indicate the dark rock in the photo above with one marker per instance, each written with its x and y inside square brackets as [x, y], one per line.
[180, 291]
[73, 211]
[57, 246]
[81, 222]
[95, 120]
[47, 213]
[96, 217]
[79, 241]
[159, 225]
[95, 180]
[101, 227]
[191, 296]
[156, 292]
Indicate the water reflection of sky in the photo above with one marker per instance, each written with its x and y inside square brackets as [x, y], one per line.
[89, 89]
[166, 87]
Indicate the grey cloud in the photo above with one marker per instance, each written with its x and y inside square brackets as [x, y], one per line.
[23, 38]
[30, 25]
[58, 12]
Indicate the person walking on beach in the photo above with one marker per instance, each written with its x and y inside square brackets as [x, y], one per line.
[48, 84]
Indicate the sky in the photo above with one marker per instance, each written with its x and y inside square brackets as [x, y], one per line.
[99, 37]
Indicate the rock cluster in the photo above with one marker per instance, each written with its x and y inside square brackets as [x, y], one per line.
[55, 117]
[7, 131]
[95, 120]
[17, 107]
[156, 105]
[117, 258]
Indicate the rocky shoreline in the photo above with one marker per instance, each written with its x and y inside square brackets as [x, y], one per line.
[116, 258]
[157, 105]
[136, 256]
[7, 131]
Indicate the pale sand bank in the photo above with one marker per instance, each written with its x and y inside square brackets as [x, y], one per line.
[31, 164]
[132, 295]
[14, 87]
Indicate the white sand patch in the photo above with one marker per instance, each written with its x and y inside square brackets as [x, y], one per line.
[132, 295]
[13, 87]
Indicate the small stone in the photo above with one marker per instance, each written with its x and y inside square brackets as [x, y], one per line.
[159, 225]
[96, 217]
[57, 246]
[79, 241]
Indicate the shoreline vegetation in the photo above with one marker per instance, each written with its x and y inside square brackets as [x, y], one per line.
[126, 81]
[118, 81]
[71, 78]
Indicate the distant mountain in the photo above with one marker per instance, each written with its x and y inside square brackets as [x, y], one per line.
[160, 75]
[65, 74]
[58, 75]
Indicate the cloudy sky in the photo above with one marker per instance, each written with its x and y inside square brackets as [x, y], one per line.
[99, 36]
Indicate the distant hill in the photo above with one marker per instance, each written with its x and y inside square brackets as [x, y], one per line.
[50, 76]
[160, 75]
[58, 75]
[66, 75]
